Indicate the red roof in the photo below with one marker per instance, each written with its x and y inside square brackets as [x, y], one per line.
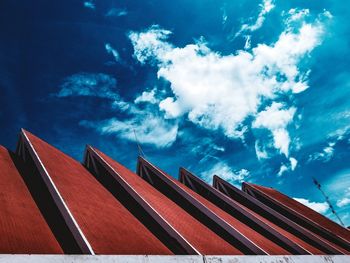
[51, 204]
[259, 240]
[22, 227]
[305, 211]
[108, 226]
[198, 235]
[303, 215]
[240, 208]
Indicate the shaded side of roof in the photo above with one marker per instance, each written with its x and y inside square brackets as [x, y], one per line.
[209, 214]
[238, 208]
[197, 235]
[22, 227]
[103, 223]
[52, 204]
[301, 214]
[278, 219]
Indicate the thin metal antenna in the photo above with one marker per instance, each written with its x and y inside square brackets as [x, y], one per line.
[141, 153]
[318, 185]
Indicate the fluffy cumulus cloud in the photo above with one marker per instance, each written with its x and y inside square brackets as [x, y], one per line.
[320, 207]
[220, 92]
[147, 96]
[276, 119]
[226, 172]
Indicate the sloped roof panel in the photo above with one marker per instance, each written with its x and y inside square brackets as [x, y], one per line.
[298, 234]
[197, 234]
[107, 225]
[241, 230]
[22, 226]
[301, 214]
[244, 214]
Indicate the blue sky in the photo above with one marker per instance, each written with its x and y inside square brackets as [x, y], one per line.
[254, 90]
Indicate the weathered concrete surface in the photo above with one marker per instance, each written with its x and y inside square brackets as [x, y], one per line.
[277, 259]
[171, 259]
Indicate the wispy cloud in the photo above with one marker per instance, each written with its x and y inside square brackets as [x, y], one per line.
[89, 84]
[112, 51]
[325, 155]
[89, 4]
[235, 176]
[320, 207]
[149, 129]
[265, 7]
[116, 12]
[288, 166]
[345, 200]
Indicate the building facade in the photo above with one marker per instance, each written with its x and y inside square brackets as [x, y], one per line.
[53, 204]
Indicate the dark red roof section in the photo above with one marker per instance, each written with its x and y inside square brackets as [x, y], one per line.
[107, 225]
[241, 230]
[310, 241]
[301, 214]
[198, 235]
[22, 227]
[277, 234]
[52, 204]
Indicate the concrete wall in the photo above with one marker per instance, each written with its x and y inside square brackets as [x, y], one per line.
[172, 259]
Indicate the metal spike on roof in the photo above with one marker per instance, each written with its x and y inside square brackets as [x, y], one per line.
[141, 153]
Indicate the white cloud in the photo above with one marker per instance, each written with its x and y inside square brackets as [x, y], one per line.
[150, 129]
[150, 43]
[224, 14]
[284, 168]
[325, 155]
[247, 44]
[293, 163]
[226, 172]
[288, 167]
[219, 92]
[170, 107]
[276, 119]
[265, 7]
[318, 207]
[114, 52]
[218, 148]
[260, 150]
[343, 202]
[147, 96]
[116, 12]
[89, 4]
[295, 14]
[89, 84]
